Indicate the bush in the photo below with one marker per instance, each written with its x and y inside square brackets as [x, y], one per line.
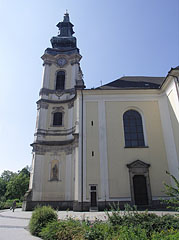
[99, 230]
[148, 221]
[132, 233]
[49, 232]
[67, 230]
[166, 235]
[40, 217]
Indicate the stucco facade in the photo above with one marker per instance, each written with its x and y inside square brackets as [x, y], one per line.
[82, 157]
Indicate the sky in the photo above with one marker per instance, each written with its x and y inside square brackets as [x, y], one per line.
[115, 38]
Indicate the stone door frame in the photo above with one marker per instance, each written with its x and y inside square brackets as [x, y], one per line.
[139, 168]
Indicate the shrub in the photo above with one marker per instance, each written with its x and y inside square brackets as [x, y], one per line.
[166, 235]
[49, 232]
[172, 192]
[98, 230]
[40, 217]
[132, 233]
[148, 221]
[67, 230]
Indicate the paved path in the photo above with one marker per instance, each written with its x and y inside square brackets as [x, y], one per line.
[13, 225]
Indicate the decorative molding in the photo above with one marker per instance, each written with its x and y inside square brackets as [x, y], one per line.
[70, 105]
[64, 132]
[46, 91]
[55, 101]
[46, 62]
[75, 61]
[55, 147]
[139, 167]
[42, 105]
[58, 109]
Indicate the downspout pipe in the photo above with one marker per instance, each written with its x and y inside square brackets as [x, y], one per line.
[82, 150]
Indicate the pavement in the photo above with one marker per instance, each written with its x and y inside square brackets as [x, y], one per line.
[14, 225]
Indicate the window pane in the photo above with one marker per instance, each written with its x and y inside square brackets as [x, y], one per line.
[133, 129]
[57, 119]
[128, 144]
[60, 80]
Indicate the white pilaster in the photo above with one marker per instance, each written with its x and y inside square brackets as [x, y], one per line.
[103, 150]
[46, 76]
[42, 118]
[38, 177]
[168, 136]
[68, 178]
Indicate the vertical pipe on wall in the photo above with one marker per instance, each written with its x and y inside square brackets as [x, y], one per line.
[82, 150]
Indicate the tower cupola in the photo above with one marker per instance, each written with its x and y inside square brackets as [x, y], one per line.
[64, 42]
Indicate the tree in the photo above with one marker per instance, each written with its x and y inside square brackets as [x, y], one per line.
[18, 185]
[8, 175]
[2, 188]
[173, 192]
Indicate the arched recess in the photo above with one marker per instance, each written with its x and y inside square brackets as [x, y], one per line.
[140, 183]
[134, 108]
[134, 129]
[60, 80]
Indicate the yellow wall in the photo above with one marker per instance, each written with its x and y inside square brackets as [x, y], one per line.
[92, 144]
[118, 156]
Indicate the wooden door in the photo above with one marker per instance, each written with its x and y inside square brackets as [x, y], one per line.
[140, 190]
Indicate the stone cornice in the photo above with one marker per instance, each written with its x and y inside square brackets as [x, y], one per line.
[64, 132]
[41, 147]
[46, 91]
[40, 101]
[72, 59]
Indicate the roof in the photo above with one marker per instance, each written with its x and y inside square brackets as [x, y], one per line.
[135, 82]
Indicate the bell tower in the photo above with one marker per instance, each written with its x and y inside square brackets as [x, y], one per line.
[55, 141]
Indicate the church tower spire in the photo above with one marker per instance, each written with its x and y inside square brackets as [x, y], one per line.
[56, 137]
[64, 42]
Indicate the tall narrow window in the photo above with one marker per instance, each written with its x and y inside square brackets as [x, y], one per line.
[133, 129]
[57, 119]
[60, 80]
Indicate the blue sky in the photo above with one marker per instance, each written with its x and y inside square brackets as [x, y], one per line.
[116, 38]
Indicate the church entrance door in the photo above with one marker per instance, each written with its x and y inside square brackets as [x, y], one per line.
[140, 190]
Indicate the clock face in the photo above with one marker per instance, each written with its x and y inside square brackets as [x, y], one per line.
[61, 61]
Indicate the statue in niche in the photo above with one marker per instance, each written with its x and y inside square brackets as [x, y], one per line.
[55, 172]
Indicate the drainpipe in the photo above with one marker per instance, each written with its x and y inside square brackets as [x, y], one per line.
[82, 150]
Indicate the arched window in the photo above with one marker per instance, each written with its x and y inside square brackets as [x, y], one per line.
[57, 119]
[60, 80]
[133, 129]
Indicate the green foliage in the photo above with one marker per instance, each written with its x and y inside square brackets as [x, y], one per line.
[131, 225]
[49, 232]
[172, 192]
[13, 185]
[40, 217]
[166, 235]
[98, 230]
[8, 204]
[2, 187]
[8, 175]
[132, 233]
[17, 186]
[66, 230]
[148, 221]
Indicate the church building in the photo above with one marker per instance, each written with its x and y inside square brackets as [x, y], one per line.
[110, 144]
